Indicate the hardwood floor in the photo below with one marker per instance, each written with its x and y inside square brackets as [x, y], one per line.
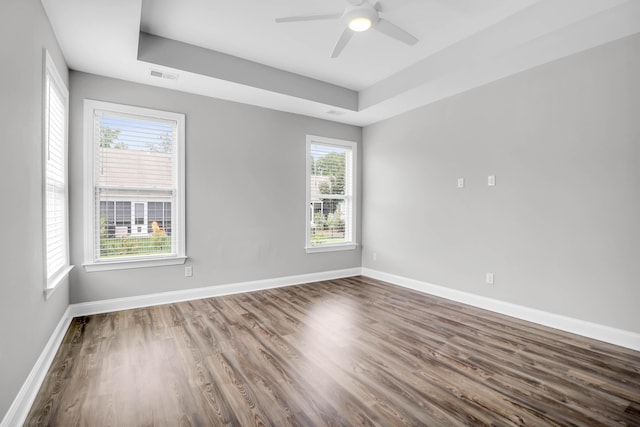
[354, 351]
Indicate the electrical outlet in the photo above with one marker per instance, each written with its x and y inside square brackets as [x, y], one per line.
[460, 182]
[188, 271]
[489, 278]
[491, 180]
[374, 256]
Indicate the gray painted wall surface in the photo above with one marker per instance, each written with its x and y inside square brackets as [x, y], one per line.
[245, 192]
[561, 229]
[26, 319]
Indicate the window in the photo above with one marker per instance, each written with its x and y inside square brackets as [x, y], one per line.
[54, 129]
[160, 214]
[139, 219]
[331, 172]
[135, 187]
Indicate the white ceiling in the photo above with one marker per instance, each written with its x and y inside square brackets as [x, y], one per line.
[243, 55]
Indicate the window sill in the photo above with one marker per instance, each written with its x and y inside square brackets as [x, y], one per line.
[52, 284]
[331, 248]
[133, 263]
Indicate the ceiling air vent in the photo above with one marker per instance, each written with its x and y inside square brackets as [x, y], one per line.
[163, 75]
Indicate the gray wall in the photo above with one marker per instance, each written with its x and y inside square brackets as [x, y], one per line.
[245, 192]
[560, 231]
[26, 319]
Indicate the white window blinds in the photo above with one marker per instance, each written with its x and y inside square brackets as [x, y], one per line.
[136, 177]
[330, 189]
[55, 174]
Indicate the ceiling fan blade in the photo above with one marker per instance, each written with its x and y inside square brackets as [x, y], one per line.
[309, 18]
[342, 42]
[395, 32]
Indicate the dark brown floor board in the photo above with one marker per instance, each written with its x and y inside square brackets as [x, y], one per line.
[354, 351]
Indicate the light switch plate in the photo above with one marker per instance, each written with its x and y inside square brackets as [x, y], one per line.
[489, 278]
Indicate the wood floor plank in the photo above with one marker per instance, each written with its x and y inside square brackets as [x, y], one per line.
[354, 351]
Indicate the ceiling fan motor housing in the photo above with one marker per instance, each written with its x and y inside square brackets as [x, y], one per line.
[364, 10]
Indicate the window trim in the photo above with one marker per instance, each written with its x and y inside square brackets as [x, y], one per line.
[50, 73]
[91, 264]
[353, 146]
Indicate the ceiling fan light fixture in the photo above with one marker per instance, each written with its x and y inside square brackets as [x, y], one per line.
[360, 18]
[360, 24]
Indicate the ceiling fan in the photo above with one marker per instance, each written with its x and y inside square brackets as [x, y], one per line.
[358, 15]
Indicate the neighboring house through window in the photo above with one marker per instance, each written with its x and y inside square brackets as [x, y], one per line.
[135, 186]
[55, 135]
[331, 172]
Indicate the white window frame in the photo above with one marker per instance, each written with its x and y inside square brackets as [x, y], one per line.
[51, 77]
[91, 261]
[351, 191]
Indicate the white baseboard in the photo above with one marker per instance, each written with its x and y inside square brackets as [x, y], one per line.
[21, 405]
[568, 324]
[87, 308]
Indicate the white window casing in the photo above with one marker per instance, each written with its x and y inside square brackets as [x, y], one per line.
[55, 176]
[134, 187]
[331, 190]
